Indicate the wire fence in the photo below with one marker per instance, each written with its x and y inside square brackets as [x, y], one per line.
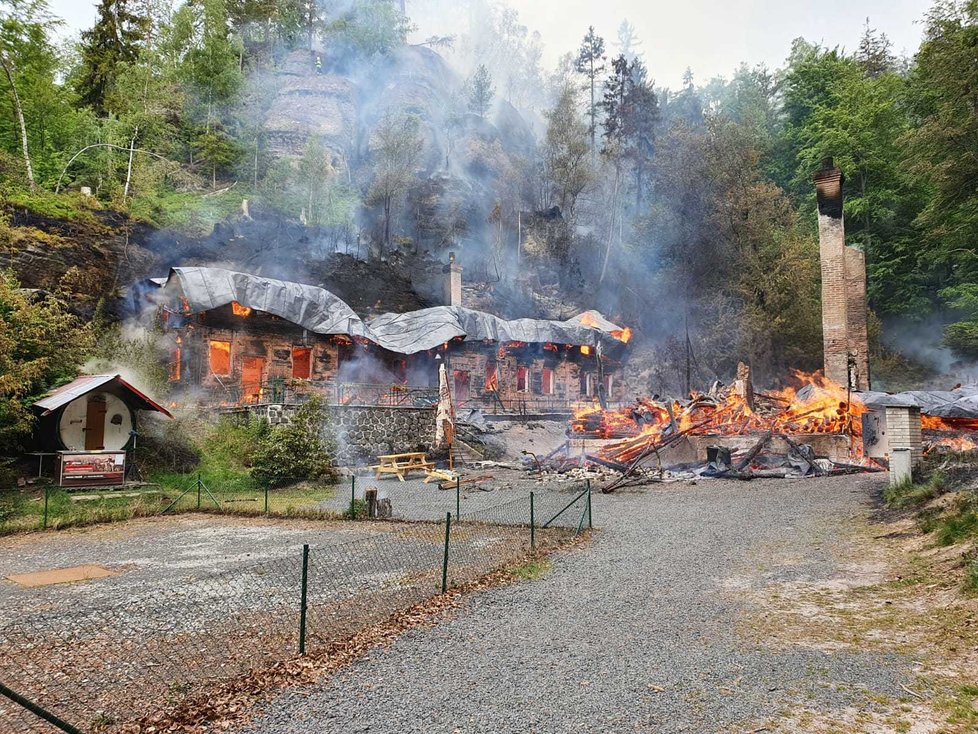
[108, 667]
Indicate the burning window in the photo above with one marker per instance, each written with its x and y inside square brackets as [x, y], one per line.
[219, 358]
[492, 377]
[175, 364]
[238, 310]
[521, 379]
[547, 381]
[461, 379]
[301, 363]
[585, 350]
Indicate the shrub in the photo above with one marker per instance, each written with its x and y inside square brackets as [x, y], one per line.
[297, 451]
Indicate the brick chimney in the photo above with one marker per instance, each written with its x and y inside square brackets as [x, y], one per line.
[453, 282]
[845, 332]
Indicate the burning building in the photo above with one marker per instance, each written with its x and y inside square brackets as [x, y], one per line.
[238, 338]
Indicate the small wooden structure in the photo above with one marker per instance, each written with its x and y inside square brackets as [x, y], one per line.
[401, 464]
[91, 413]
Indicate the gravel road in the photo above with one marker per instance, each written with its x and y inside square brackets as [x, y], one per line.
[636, 631]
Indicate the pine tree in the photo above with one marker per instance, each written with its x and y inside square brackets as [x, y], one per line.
[628, 41]
[875, 53]
[590, 63]
[114, 39]
[480, 91]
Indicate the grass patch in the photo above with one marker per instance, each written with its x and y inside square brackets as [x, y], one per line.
[190, 213]
[534, 569]
[68, 205]
[910, 494]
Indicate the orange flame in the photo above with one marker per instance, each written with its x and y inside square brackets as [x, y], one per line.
[238, 310]
[623, 335]
[823, 407]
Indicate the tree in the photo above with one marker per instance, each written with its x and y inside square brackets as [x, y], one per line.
[480, 91]
[942, 152]
[41, 346]
[875, 54]
[565, 153]
[590, 63]
[114, 39]
[396, 147]
[10, 71]
[628, 41]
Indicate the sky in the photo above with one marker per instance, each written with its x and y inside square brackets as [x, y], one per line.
[712, 37]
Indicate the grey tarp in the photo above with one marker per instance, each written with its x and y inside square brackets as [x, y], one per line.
[312, 308]
[960, 403]
[322, 312]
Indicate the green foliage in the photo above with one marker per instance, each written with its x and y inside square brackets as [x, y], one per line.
[41, 346]
[480, 91]
[369, 27]
[297, 451]
[910, 494]
[359, 510]
[114, 40]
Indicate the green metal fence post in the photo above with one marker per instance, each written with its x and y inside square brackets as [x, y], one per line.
[302, 603]
[353, 497]
[198, 490]
[38, 711]
[533, 525]
[46, 491]
[266, 499]
[444, 563]
[458, 497]
[589, 524]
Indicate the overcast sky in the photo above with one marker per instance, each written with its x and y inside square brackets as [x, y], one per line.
[711, 36]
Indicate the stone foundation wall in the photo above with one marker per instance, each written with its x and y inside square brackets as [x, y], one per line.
[362, 433]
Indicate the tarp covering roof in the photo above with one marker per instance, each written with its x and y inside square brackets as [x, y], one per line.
[322, 312]
[85, 384]
[312, 308]
[959, 403]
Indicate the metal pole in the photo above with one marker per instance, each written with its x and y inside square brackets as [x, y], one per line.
[353, 497]
[458, 497]
[46, 489]
[444, 564]
[302, 603]
[198, 490]
[38, 711]
[533, 525]
[589, 504]
[266, 499]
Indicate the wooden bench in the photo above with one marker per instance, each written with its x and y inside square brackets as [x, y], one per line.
[401, 464]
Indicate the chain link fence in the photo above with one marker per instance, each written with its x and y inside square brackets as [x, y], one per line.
[107, 667]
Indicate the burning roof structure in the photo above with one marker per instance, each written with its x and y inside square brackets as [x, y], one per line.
[237, 334]
[321, 312]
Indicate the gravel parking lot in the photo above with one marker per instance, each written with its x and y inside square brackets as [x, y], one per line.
[636, 631]
[195, 598]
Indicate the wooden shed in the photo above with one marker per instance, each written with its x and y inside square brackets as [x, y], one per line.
[91, 413]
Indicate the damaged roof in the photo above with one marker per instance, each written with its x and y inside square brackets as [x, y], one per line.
[959, 403]
[85, 384]
[322, 312]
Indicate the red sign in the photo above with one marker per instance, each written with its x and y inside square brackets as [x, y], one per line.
[92, 468]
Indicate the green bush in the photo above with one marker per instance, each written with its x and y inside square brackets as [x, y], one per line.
[297, 451]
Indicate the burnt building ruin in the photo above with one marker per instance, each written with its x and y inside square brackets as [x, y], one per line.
[845, 332]
[240, 339]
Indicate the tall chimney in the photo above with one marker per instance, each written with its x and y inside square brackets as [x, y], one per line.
[453, 282]
[845, 332]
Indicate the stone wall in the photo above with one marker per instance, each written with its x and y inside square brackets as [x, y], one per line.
[362, 433]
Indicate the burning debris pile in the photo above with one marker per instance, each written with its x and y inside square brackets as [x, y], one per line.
[812, 428]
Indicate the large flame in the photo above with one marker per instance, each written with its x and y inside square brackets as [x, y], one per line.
[817, 405]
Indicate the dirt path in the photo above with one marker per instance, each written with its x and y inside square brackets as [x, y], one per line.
[696, 609]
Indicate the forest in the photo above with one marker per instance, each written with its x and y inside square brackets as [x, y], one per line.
[687, 212]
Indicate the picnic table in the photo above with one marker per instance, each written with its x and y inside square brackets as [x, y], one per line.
[401, 464]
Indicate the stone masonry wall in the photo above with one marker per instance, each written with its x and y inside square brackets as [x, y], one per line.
[362, 433]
